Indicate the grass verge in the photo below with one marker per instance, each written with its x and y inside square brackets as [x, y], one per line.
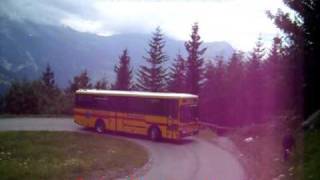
[67, 155]
[4, 116]
[262, 153]
[311, 155]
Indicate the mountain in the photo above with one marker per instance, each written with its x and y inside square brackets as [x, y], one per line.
[26, 48]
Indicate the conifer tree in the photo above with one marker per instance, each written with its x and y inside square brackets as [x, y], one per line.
[153, 76]
[302, 53]
[48, 77]
[194, 74]
[274, 79]
[254, 83]
[234, 87]
[48, 93]
[214, 104]
[82, 81]
[177, 75]
[274, 60]
[101, 84]
[235, 72]
[254, 67]
[123, 73]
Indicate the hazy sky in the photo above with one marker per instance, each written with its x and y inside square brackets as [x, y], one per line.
[238, 22]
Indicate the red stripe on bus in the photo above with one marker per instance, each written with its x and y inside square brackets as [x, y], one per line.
[108, 116]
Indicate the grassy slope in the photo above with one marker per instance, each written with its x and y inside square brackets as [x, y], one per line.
[311, 167]
[66, 155]
[263, 156]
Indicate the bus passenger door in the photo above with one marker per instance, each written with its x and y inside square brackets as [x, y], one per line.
[121, 122]
[170, 129]
[172, 118]
[121, 105]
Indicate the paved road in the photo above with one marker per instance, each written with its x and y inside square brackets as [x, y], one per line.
[194, 159]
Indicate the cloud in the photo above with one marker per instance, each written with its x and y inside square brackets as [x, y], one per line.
[237, 21]
[46, 12]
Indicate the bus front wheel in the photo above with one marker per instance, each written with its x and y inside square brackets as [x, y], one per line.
[154, 134]
[100, 127]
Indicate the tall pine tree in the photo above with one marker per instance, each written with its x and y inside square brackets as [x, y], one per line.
[194, 74]
[49, 94]
[124, 73]
[254, 83]
[274, 61]
[177, 75]
[153, 77]
[213, 106]
[48, 77]
[275, 81]
[234, 87]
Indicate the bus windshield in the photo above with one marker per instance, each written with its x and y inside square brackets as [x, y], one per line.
[189, 113]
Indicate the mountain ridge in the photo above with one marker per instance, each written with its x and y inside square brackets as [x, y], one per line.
[26, 48]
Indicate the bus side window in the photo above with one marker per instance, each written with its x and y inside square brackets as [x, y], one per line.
[102, 103]
[150, 106]
[154, 107]
[119, 104]
[135, 105]
[84, 101]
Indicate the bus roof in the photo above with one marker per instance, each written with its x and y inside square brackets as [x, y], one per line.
[163, 95]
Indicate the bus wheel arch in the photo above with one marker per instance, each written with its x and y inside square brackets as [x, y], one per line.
[154, 133]
[100, 126]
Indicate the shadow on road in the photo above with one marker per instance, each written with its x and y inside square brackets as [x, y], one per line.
[140, 137]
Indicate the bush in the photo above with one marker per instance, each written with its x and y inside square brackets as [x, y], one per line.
[22, 98]
[34, 97]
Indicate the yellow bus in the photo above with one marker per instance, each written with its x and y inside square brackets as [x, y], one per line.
[153, 114]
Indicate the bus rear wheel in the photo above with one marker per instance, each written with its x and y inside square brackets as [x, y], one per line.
[100, 127]
[154, 134]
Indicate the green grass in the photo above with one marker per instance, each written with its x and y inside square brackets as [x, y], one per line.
[311, 165]
[66, 155]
